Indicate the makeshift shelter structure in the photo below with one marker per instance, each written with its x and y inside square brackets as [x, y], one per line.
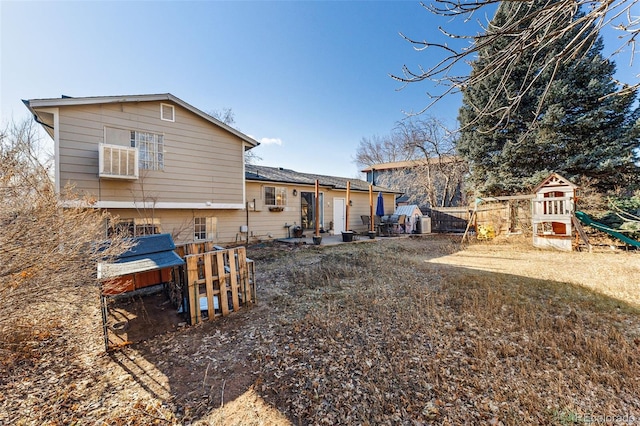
[148, 263]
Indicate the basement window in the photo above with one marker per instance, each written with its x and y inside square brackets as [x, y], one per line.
[204, 228]
[134, 227]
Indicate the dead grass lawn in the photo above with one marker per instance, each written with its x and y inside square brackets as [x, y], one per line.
[396, 331]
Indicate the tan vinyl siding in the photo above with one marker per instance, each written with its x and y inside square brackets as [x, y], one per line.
[180, 223]
[263, 224]
[202, 162]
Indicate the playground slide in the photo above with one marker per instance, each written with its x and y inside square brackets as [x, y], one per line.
[584, 218]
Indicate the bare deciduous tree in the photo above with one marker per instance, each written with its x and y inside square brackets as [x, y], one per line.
[48, 254]
[382, 149]
[439, 172]
[530, 30]
[433, 173]
[228, 117]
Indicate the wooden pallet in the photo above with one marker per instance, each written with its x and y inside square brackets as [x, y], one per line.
[196, 248]
[225, 278]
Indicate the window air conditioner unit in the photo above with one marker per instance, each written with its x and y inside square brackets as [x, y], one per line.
[118, 162]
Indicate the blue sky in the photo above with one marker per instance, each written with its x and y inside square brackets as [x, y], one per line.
[308, 79]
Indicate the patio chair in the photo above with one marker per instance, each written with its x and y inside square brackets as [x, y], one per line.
[386, 225]
[401, 222]
[392, 224]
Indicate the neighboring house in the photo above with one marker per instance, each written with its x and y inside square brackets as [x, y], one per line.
[272, 188]
[376, 172]
[433, 183]
[159, 164]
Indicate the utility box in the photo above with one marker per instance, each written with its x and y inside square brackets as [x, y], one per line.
[423, 225]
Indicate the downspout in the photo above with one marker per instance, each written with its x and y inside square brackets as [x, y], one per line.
[37, 120]
[56, 138]
[247, 208]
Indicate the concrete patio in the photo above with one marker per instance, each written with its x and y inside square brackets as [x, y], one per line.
[329, 239]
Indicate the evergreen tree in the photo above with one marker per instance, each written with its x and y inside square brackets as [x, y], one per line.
[563, 122]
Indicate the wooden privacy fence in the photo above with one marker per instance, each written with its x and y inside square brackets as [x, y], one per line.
[449, 219]
[218, 282]
[505, 215]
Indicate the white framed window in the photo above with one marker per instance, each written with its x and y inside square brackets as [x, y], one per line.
[204, 228]
[167, 112]
[275, 196]
[200, 228]
[150, 149]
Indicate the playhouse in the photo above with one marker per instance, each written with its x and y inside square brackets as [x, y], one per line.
[552, 209]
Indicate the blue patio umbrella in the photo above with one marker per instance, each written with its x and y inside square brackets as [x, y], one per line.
[380, 205]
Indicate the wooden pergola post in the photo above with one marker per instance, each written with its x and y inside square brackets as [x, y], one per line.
[371, 208]
[346, 219]
[317, 208]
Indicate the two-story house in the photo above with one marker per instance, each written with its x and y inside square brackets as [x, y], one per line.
[161, 165]
[158, 163]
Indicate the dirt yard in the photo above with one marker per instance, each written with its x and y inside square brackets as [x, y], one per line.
[393, 331]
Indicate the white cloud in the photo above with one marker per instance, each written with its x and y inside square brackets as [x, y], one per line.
[271, 141]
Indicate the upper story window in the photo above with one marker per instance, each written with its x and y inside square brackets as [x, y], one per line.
[150, 149]
[275, 196]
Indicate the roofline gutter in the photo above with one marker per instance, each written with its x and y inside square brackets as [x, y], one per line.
[321, 184]
[35, 115]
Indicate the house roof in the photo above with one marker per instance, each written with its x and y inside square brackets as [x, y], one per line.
[282, 175]
[148, 253]
[34, 104]
[407, 164]
[408, 210]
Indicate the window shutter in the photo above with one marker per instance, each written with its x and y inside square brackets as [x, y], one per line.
[211, 228]
[132, 162]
